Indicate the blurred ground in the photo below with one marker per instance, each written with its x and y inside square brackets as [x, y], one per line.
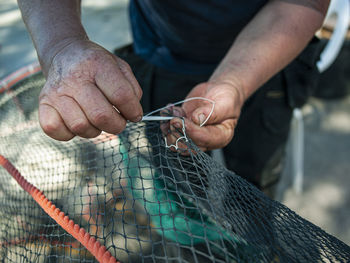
[106, 23]
[325, 199]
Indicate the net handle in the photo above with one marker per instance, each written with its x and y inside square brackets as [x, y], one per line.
[90, 243]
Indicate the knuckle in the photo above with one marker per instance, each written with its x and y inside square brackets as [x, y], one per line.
[120, 127]
[51, 127]
[122, 95]
[45, 94]
[79, 126]
[100, 118]
[139, 92]
[124, 65]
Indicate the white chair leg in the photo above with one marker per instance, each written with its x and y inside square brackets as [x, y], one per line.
[297, 149]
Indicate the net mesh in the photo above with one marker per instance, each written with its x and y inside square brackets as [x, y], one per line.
[143, 201]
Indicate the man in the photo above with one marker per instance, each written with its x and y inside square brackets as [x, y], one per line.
[214, 49]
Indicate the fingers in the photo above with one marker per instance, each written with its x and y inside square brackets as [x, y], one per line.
[178, 138]
[99, 112]
[85, 85]
[85, 115]
[170, 110]
[209, 113]
[84, 112]
[227, 104]
[210, 136]
[52, 123]
[121, 89]
[64, 119]
[70, 108]
[127, 71]
[204, 115]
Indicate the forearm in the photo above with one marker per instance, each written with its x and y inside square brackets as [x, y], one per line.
[52, 25]
[276, 35]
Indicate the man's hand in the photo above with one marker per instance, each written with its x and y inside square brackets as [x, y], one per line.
[88, 90]
[219, 129]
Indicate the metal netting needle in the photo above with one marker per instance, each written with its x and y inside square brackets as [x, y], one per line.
[157, 118]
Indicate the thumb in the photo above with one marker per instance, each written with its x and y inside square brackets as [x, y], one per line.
[199, 109]
[215, 113]
[204, 115]
[219, 103]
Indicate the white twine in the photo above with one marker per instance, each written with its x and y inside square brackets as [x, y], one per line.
[176, 145]
[148, 116]
[157, 118]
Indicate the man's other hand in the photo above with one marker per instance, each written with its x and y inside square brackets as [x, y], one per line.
[219, 129]
[88, 90]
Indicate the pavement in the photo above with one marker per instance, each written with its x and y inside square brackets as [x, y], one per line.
[325, 198]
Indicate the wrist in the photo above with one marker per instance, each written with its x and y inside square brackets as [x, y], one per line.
[47, 54]
[234, 84]
[52, 25]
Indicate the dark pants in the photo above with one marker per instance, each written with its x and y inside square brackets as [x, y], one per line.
[257, 149]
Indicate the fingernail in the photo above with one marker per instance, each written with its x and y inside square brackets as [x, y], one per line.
[201, 118]
[138, 118]
[177, 113]
[177, 125]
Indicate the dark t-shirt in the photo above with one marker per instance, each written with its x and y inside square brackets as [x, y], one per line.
[188, 36]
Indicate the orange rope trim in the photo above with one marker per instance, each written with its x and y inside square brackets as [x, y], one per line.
[18, 75]
[90, 243]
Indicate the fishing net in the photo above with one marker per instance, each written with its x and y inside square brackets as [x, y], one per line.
[131, 198]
